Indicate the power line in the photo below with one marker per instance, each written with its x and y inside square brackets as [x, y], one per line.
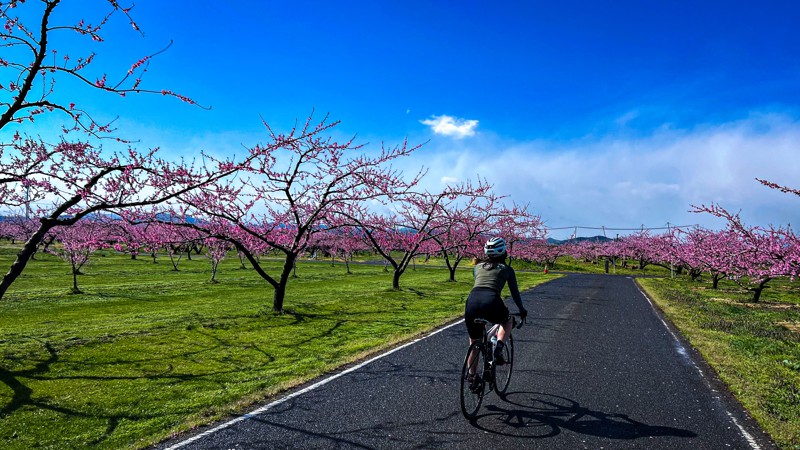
[642, 228]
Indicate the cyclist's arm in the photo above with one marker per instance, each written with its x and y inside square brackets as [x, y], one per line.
[514, 288]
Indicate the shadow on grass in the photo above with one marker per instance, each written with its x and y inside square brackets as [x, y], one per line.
[26, 398]
[23, 395]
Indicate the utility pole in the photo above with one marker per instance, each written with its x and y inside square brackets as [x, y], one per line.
[671, 267]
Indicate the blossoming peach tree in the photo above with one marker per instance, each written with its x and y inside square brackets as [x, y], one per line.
[32, 65]
[63, 182]
[289, 190]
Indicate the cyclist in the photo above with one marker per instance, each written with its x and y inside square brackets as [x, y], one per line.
[491, 274]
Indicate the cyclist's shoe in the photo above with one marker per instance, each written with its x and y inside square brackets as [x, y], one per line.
[476, 387]
[474, 383]
[499, 360]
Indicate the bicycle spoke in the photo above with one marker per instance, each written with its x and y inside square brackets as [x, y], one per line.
[473, 384]
[502, 376]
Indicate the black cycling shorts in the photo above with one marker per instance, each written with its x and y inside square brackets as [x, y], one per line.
[484, 304]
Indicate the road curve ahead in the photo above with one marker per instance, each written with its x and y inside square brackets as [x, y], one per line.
[596, 368]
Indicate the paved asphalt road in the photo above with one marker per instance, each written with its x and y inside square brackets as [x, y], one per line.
[596, 367]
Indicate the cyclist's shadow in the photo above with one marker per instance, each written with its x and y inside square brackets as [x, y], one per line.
[541, 415]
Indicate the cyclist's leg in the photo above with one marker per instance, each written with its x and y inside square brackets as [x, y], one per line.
[472, 355]
[505, 330]
[476, 305]
[500, 315]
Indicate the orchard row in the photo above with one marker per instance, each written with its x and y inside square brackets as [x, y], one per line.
[452, 231]
[300, 190]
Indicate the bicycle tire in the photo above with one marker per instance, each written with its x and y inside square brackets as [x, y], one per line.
[472, 391]
[502, 373]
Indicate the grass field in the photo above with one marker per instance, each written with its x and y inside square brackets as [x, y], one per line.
[755, 348]
[147, 352]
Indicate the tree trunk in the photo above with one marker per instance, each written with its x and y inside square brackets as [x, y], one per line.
[715, 281]
[280, 289]
[214, 271]
[450, 267]
[75, 272]
[22, 259]
[758, 289]
[174, 261]
[278, 297]
[396, 279]
[453, 268]
[757, 294]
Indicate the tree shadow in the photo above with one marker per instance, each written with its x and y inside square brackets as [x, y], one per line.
[540, 415]
[410, 432]
[23, 396]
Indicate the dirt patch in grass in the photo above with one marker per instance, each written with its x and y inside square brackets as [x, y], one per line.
[794, 327]
[773, 306]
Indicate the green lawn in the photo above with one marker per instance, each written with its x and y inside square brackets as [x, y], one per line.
[147, 352]
[751, 346]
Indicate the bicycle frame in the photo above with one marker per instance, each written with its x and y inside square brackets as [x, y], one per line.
[483, 349]
[487, 335]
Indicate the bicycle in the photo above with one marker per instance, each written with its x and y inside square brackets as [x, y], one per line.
[482, 370]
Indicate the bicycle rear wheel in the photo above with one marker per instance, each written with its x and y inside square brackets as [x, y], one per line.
[502, 373]
[473, 382]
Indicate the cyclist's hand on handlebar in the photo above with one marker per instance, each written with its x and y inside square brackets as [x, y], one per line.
[523, 316]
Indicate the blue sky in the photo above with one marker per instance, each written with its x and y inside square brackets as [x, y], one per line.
[616, 114]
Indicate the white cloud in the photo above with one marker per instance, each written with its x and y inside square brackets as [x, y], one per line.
[629, 182]
[448, 180]
[626, 118]
[451, 126]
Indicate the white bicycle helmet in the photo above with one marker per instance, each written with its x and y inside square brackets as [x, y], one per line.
[495, 247]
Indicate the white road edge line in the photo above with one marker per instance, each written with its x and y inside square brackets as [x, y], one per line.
[304, 390]
[747, 436]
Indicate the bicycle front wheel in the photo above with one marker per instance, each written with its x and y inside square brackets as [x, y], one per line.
[502, 373]
[473, 380]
